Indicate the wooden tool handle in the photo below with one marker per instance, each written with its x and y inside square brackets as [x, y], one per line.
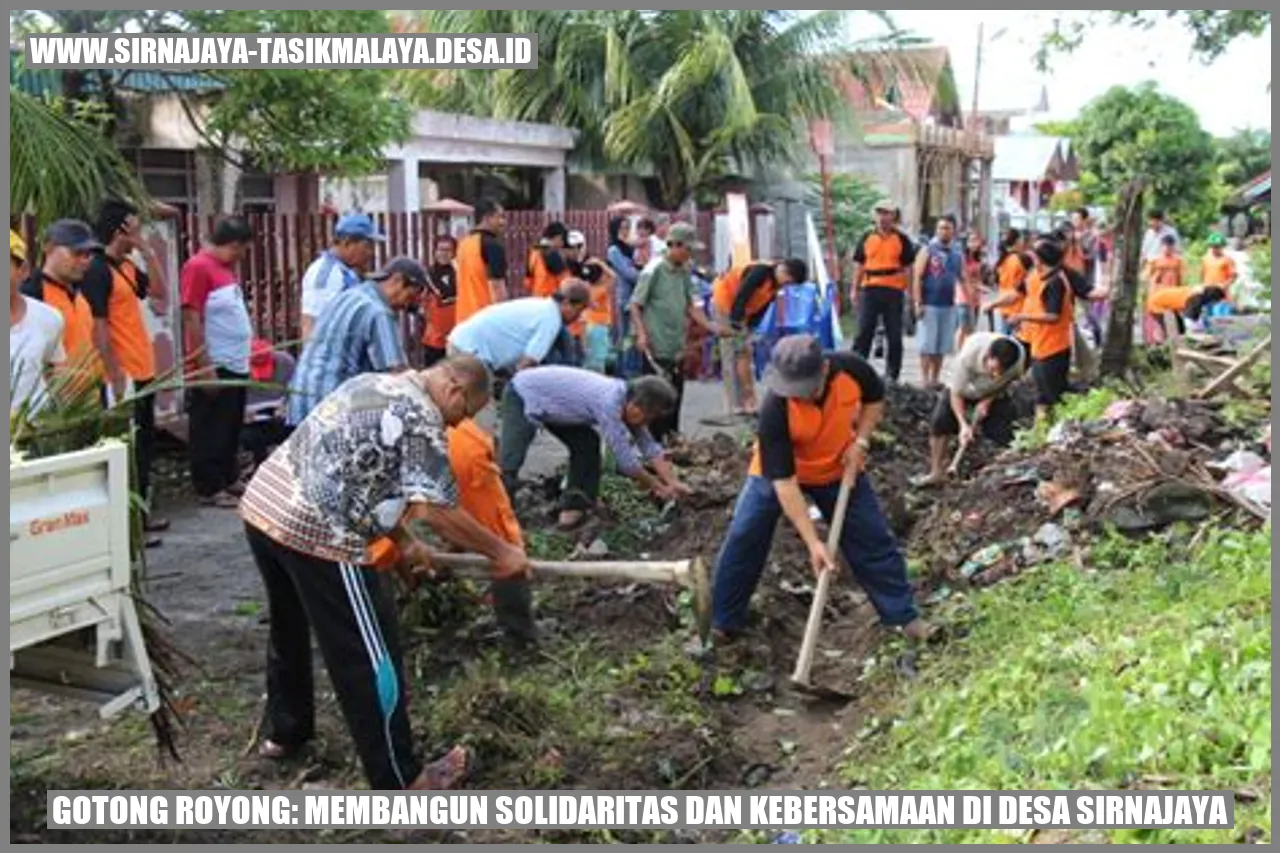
[809, 645]
[669, 571]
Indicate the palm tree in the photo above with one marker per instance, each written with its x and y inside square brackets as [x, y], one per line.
[61, 165]
[684, 96]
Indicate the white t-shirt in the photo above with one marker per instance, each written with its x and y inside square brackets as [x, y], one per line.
[35, 342]
[324, 279]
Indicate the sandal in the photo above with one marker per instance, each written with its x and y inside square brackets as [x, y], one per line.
[275, 751]
[927, 481]
[571, 519]
[155, 525]
[222, 500]
[444, 773]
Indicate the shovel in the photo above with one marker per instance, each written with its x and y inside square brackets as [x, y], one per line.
[954, 467]
[691, 574]
[800, 677]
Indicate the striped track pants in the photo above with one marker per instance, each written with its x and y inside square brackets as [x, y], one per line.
[352, 611]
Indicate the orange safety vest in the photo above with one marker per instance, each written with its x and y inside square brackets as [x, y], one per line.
[724, 292]
[886, 264]
[820, 432]
[1048, 339]
[1169, 299]
[480, 491]
[77, 329]
[600, 310]
[1009, 276]
[540, 281]
[473, 276]
[1217, 271]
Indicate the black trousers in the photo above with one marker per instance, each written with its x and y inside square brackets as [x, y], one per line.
[261, 437]
[674, 369]
[996, 427]
[1052, 377]
[144, 438]
[352, 611]
[215, 416]
[875, 305]
[582, 441]
[431, 355]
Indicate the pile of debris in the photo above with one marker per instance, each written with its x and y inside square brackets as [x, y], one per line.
[1145, 465]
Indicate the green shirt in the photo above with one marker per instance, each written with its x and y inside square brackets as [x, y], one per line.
[665, 292]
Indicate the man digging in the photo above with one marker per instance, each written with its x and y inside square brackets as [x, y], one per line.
[579, 408]
[815, 421]
[988, 364]
[367, 462]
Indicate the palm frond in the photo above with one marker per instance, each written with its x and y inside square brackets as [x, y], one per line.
[59, 166]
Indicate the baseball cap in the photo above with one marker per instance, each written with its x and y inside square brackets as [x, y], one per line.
[1216, 239]
[685, 234]
[17, 246]
[359, 226]
[412, 271]
[885, 205]
[575, 239]
[795, 368]
[73, 234]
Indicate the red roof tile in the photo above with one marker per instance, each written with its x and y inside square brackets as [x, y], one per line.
[909, 78]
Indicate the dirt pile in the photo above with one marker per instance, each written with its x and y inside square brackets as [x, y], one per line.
[1147, 464]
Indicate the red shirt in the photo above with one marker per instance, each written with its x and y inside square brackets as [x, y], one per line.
[212, 289]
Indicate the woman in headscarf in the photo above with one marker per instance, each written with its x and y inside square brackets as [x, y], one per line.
[621, 258]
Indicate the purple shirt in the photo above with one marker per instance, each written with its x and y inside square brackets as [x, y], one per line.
[573, 396]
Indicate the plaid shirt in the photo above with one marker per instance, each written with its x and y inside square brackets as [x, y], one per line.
[569, 395]
[357, 332]
[348, 472]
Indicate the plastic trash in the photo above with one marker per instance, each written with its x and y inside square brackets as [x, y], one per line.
[1120, 410]
[1253, 486]
[982, 559]
[1241, 462]
[1053, 539]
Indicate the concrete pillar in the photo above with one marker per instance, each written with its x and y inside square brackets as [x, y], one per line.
[403, 187]
[553, 190]
[986, 216]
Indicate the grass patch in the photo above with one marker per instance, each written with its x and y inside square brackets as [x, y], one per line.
[570, 717]
[1153, 671]
[1090, 406]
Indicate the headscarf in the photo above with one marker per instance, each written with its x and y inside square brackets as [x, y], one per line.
[615, 229]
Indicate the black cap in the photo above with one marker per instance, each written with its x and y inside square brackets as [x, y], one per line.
[412, 271]
[73, 234]
[795, 369]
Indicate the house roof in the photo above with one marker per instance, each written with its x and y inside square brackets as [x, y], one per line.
[1028, 158]
[917, 80]
[48, 81]
[1257, 189]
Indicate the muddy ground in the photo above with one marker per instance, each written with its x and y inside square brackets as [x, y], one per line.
[612, 698]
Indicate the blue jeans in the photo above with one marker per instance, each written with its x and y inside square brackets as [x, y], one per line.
[867, 543]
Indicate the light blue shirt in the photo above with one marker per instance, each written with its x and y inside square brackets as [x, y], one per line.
[502, 334]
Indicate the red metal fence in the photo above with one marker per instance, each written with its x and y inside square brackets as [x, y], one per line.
[285, 244]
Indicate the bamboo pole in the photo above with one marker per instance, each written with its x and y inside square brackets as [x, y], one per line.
[1241, 366]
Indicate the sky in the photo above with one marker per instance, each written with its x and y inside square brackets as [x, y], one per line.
[1231, 93]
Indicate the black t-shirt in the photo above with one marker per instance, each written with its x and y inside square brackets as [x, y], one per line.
[1055, 294]
[777, 454]
[494, 254]
[443, 281]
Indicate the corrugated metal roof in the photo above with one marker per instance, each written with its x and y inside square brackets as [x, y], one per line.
[48, 81]
[1258, 188]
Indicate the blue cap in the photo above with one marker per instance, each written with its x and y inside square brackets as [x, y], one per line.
[359, 226]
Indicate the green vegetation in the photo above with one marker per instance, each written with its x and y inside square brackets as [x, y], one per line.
[1260, 262]
[1150, 668]
[296, 120]
[1089, 406]
[1214, 29]
[691, 98]
[1139, 132]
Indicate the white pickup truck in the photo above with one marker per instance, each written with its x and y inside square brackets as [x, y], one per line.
[73, 625]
